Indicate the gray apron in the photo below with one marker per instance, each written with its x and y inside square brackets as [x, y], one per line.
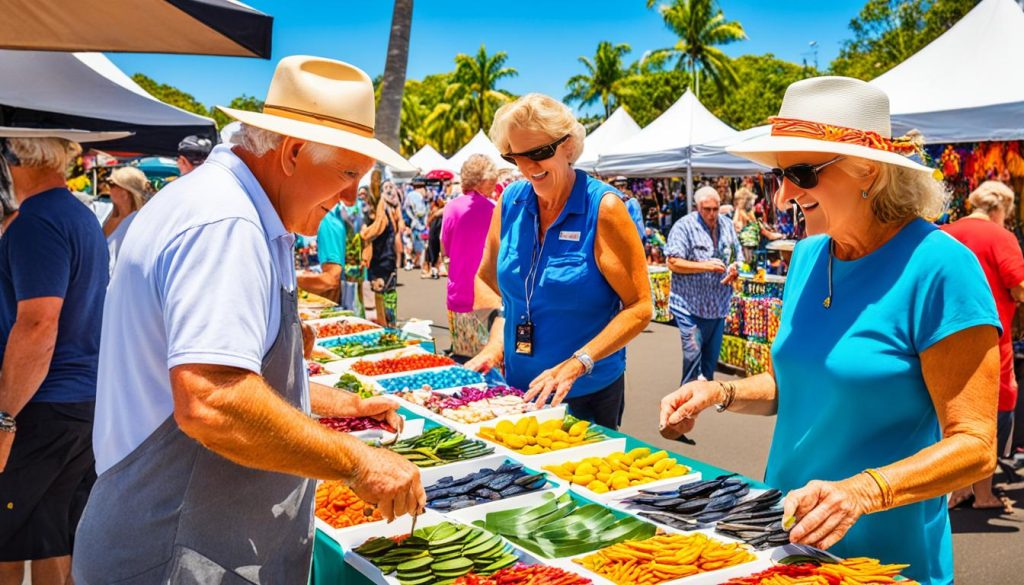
[175, 512]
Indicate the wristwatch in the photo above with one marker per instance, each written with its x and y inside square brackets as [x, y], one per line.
[586, 360]
[7, 424]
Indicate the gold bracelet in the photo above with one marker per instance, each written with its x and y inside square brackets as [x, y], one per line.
[883, 484]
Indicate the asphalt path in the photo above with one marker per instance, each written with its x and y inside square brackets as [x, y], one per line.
[988, 546]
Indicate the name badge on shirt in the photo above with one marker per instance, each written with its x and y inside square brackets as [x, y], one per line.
[569, 236]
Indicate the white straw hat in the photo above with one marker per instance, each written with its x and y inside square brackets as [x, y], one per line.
[837, 115]
[323, 101]
[73, 135]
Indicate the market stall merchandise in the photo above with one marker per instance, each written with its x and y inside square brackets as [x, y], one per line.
[530, 436]
[664, 558]
[340, 507]
[468, 405]
[752, 323]
[661, 287]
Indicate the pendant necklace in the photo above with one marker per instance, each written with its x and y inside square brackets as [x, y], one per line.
[831, 252]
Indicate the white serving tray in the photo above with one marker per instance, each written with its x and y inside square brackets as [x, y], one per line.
[543, 415]
[354, 538]
[430, 475]
[344, 365]
[315, 323]
[601, 450]
[467, 428]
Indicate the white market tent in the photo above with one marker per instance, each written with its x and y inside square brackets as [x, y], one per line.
[662, 149]
[480, 144]
[965, 86]
[711, 158]
[618, 128]
[88, 92]
[428, 159]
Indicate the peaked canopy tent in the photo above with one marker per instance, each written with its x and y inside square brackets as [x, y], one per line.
[962, 87]
[480, 144]
[618, 128]
[712, 157]
[44, 89]
[200, 27]
[428, 159]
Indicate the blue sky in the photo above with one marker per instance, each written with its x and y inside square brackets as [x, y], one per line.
[543, 38]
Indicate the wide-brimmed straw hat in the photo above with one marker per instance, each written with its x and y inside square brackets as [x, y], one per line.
[323, 101]
[837, 115]
[82, 136]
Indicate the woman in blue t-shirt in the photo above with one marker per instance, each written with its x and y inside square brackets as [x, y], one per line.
[567, 261]
[885, 364]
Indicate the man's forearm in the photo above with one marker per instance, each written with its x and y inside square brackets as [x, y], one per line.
[681, 266]
[237, 415]
[26, 363]
[323, 284]
[327, 401]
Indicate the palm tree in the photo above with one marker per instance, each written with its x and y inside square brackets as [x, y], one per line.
[414, 115]
[603, 79]
[389, 111]
[701, 27]
[476, 80]
[447, 127]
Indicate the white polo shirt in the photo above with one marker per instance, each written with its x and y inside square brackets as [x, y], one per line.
[198, 281]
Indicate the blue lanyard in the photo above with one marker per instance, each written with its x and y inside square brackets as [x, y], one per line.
[531, 277]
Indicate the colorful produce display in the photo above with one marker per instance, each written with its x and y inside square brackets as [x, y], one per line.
[704, 502]
[758, 356]
[734, 320]
[734, 351]
[440, 445]
[560, 528]
[453, 377]
[664, 558]
[322, 356]
[350, 383]
[486, 485]
[439, 554]
[470, 405]
[759, 529]
[354, 424]
[369, 343]
[338, 328]
[315, 369]
[340, 507]
[526, 575]
[620, 470]
[811, 571]
[530, 437]
[406, 363]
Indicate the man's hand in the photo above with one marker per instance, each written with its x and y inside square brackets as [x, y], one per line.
[390, 481]
[6, 442]
[679, 409]
[557, 380]
[731, 274]
[713, 265]
[381, 408]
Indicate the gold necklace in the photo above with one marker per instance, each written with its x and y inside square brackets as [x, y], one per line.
[831, 253]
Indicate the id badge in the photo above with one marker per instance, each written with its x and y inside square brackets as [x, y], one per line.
[524, 339]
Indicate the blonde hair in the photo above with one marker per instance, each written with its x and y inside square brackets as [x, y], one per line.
[133, 181]
[741, 196]
[900, 193]
[477, 170]
[258, 142]
[47, 153]
[539, 113]
[991, 196]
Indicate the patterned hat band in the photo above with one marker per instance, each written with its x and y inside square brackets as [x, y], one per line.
[905, 145]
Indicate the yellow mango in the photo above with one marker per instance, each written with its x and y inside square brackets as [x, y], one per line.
[523, 425]
[586, 468]
[531, 450]
[676, 471]
[515, 441]
[487, 433]
[619, 482]
[605, 477]
[550, 425]
[604, 468]
[649, 472]
[573, 440]
[560, 435]
[533, 427]
[544, 441]
[579, 429]
[663, 465]
[583, 479]
[635, 475]
[598, 487]
[556, 445]
[505, 427]
[530, 439]
[634, 482]
[569, 466]
[628, 459]
[639, 453]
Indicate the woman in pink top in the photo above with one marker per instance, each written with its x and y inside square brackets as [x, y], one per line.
[463, 232]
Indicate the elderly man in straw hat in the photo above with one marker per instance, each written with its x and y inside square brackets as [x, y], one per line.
[203, 435]
[53, 275]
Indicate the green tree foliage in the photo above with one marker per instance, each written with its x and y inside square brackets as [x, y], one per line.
[603, 80]
[762, 81]
[647, 95]
[701, 27]
[475, 88]
[242, 102]
[170, 95]
[887, 32]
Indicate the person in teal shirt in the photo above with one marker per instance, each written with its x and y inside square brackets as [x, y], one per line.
[886, 363]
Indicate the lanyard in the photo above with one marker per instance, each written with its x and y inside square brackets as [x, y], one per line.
[531, 277]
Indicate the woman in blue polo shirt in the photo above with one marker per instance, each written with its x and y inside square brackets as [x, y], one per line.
[570, 268]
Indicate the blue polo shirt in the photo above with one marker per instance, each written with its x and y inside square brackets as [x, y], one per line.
[55, 248]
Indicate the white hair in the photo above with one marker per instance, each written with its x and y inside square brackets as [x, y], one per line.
[705, 193]
[46, 153]
[258, 142]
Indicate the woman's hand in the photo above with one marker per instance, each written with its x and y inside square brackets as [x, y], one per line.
[488, 358]
[824, 511]
[679, 409]
[554, 383]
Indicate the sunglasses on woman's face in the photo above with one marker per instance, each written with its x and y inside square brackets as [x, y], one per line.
[537, 154]
[803, 175]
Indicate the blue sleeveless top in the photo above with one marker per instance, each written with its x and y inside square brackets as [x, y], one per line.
[571, 302]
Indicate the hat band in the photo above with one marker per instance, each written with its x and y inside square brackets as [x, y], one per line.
[322, 119]
[843, 135]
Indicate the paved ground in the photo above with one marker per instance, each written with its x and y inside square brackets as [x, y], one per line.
[987, 545]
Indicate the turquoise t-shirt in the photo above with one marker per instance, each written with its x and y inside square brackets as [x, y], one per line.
[330, 238]
[851, 392]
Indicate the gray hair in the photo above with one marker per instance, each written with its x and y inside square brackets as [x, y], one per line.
[477, 170]
[705, 193]
[48, 153]
[991, 196]
[258, 142]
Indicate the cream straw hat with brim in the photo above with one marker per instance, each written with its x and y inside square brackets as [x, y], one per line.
[837, 115]
[72, 135]
[323, 101]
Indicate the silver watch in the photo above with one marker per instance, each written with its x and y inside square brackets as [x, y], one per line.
[586, 360]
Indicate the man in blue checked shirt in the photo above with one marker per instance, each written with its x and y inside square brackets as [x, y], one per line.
[703, 253]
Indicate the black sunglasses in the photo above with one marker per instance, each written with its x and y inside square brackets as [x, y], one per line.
[803, 175]
[537, 154]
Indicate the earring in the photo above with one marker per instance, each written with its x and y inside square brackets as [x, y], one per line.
[864, 194]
